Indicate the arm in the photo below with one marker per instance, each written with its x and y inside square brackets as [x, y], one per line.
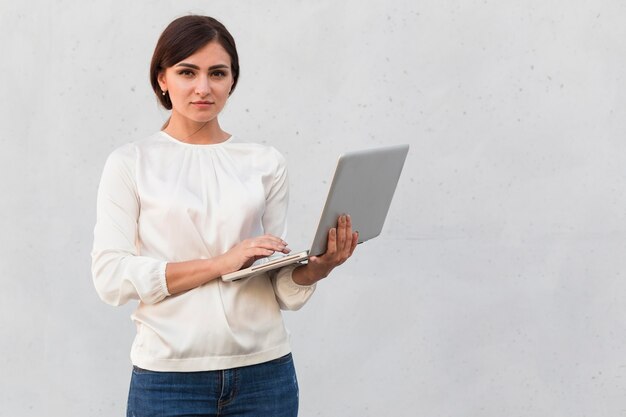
[294, 285]
[289, 294]
[183, 276]
[119, 272]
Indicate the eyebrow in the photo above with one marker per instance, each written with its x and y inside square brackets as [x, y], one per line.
[192, 66]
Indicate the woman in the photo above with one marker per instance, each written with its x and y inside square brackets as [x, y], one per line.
[179, 209]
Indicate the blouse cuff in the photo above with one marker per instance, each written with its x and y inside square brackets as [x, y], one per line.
[290, 295]
[162, 279]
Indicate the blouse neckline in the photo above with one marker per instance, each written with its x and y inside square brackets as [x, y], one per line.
[195, 145]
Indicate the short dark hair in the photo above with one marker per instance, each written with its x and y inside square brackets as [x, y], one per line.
[182, 38]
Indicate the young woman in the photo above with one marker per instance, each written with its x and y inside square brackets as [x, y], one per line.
[175, 212]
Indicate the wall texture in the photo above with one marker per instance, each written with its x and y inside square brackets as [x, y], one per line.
[498, 285]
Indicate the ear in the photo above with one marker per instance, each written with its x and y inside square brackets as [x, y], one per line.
[162, 81]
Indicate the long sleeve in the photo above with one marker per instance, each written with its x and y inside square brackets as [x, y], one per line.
[290, 296]
[119, 272]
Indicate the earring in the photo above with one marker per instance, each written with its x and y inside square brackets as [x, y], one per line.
[164, 92]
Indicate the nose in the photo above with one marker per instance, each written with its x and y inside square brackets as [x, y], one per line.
[203, 87]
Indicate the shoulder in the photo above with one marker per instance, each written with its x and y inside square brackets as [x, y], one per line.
[260, 152]
[123, 153]
[124, 157]
[127, 153]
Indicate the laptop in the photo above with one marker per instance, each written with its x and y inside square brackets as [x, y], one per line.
[363, 186]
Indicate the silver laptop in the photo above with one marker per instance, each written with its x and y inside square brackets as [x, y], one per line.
[363, 186]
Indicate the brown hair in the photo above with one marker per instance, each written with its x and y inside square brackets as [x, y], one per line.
[182, 38]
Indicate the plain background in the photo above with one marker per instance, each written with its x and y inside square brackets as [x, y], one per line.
[497, 287]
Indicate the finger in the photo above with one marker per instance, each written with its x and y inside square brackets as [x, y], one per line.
[273, 239]
[341, 233]
[355, 241]
[278, 247]
[349, 237]
[265, 238]
[274, 244]
[331, 247]
[261, 253]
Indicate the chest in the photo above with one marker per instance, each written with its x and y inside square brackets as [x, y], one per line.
[201, 186]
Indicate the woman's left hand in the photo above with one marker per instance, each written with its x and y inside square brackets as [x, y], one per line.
[341, 244]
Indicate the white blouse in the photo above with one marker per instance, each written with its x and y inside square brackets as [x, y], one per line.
[161, 200]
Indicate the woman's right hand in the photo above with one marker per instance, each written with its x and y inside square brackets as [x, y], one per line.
[245, 253]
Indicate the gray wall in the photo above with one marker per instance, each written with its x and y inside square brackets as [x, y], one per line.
[497, 287]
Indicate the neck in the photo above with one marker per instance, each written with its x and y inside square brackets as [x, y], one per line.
[193, 132]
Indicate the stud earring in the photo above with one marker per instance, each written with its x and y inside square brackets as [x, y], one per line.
[164, 92]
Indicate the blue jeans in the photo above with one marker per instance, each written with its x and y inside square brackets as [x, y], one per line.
[267, 389]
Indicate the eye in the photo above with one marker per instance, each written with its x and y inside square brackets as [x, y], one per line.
[219, 74]
[186, 73]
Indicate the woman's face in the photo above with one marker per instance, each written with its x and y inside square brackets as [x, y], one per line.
[199, 85]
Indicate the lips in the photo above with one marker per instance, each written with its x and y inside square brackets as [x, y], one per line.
[202, 102]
